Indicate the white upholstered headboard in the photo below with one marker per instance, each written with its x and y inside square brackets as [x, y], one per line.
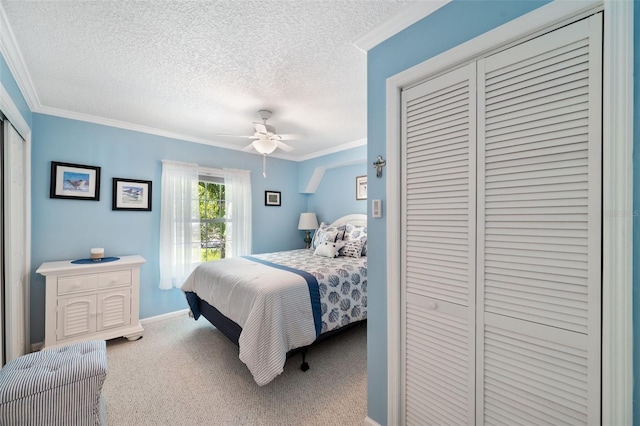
[354, 219]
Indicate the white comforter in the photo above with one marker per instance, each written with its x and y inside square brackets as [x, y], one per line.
[271, 305]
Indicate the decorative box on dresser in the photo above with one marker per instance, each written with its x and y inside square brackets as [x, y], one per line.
[98, 300]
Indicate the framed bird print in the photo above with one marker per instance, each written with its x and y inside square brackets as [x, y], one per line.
[131, 194]
[74, 181]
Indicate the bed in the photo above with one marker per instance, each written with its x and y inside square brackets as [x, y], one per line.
[273, 305]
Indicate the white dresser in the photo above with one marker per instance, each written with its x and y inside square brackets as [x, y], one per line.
[99, 300]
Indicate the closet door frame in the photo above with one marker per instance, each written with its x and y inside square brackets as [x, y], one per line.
[15, 119]
[617, 326]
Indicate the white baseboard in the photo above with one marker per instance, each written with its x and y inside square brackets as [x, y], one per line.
[369, 422]
[164, 316]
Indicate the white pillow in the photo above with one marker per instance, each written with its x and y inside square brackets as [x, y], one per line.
[329, 249]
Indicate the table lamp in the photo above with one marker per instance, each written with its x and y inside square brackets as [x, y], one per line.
[308, 221]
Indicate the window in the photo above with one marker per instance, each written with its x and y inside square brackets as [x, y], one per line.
[205, 215]
[213, 220]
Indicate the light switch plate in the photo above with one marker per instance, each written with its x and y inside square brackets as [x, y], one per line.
[376, 208]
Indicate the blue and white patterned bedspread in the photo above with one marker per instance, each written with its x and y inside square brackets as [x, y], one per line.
[279, 308]
[342, 282]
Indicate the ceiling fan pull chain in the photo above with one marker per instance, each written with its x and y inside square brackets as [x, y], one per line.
[264, 165]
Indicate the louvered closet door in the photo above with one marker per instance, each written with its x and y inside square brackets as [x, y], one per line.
[438, 249]
[539, 230]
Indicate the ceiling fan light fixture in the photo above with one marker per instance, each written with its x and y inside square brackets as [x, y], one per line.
[265, 146]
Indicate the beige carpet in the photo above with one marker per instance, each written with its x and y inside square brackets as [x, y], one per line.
[185, 372]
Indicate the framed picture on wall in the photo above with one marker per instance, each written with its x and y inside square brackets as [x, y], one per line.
[131, 194]
[74, 181]
[271, 198]
[361, 187]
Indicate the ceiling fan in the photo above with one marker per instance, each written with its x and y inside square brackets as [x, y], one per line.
[266, 140]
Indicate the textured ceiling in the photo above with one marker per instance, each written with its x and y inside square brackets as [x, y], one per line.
[199, 69]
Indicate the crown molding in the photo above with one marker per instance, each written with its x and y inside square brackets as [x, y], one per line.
[343, 147]
[15, 61]
[185, 137]
[57, 112]
[407, 16]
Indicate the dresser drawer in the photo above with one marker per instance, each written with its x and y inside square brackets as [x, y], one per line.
[114, 279]
[77, 283]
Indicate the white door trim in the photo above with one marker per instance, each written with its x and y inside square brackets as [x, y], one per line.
[11, 111]
[617, 197]
[617, 367]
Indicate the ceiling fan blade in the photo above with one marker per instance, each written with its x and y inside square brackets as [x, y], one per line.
[239, 136]
[260, 128]
[290, 136]
[283, 146]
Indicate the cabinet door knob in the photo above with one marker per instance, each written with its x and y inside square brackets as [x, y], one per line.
[432, 305]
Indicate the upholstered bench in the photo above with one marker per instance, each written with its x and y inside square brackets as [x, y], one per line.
[57, 386]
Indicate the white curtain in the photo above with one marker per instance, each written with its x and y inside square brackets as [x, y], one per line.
[238, 209]
[179, 223]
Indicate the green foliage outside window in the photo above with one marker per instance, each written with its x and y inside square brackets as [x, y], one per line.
[212, 220]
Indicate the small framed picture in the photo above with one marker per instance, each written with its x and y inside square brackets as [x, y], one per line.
[131, 194]
[271, 198]
[74, 181]
[361, 187]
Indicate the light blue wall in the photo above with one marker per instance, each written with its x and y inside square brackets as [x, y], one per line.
[636, 222]
[455, 23]
[336, 194]
[347, 157]
[9, 83]
[67, 229]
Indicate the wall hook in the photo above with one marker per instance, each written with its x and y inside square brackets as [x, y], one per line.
[379, 164]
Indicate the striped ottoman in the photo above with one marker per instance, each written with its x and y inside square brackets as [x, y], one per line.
[57, 386]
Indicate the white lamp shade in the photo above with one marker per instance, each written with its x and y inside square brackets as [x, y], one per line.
[308, 221]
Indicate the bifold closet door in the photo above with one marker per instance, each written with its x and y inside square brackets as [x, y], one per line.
[539, 230]
[438, 249]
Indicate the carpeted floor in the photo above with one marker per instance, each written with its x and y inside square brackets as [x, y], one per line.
[185, 372]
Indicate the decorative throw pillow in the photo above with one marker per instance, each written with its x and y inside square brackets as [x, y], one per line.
[323, 234]
[359, 233]
[352, 248]
[329, 249]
